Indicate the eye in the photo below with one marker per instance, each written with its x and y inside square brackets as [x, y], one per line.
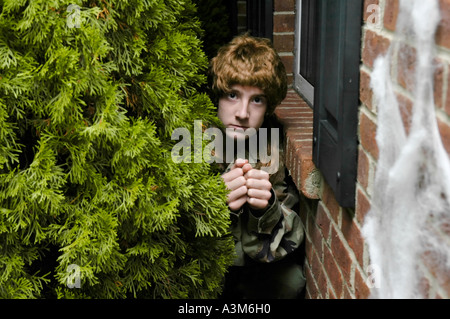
[258, 100]
[232, 95]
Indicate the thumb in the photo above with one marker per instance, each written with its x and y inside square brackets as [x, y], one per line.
[239, 163]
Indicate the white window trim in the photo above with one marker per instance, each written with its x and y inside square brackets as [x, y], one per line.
[301, 85]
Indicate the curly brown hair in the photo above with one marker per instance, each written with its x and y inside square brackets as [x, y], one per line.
[249, 61]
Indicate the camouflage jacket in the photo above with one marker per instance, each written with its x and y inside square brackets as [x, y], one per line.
[273, 235]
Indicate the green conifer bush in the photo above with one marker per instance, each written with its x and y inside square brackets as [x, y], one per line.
[91, 203]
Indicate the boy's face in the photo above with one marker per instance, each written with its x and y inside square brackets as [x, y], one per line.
[242, 108]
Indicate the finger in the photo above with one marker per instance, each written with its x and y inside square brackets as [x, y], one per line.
[239, 163]
[237, 193]
[237, 204]
[256, 203]
[232, 174]
[246, 168]
[258, 184]
[259, 194]
[236, 183]
[256, 174]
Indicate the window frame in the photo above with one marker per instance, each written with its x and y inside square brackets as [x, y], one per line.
[301, 85]
[260, 18]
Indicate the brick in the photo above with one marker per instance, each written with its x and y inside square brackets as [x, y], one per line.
[311, 289]
[346, 293]
[423, 285]
[447, 98]
[284, 5]
[374, 45]
[322, 221]
[284, 23]
[329, 200]
[300, 131]
[405, 105]
[307, 294]
[304, 173]
[299, 135]
[295, 104]
[283, 42]
[341, 255]
[290, 80]
[438, 78]
[288, 61]
[445, 228]
[297, 120]
[436, 264]
[308, 247]
[298, 114]
[290, 120]
[367, 13]
[292, 111]
[352, 235]
[362, 206]
[391, 14]
[293, 95]
[332, 271]
[365, 91]
[367, 135]
[444, 130]
[362, 291]
[443, 32]
[318, 274]
[331, 294]
[316, 237]
[363, 169]
[322, 285]
[407, 58]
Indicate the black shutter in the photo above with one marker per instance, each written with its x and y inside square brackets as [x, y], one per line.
[336, 95]
[260, 18]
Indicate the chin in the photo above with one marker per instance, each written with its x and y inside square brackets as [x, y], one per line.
[238, 136]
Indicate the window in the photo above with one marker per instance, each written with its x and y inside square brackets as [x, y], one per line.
[260, 21]
[327, 75]
[305, 47]
[253, 16]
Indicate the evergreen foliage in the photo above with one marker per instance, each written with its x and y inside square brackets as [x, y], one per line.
[87, 109]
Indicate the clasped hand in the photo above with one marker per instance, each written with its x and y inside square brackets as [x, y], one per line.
[247, 185]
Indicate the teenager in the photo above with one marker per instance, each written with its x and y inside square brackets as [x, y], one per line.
[248, 80]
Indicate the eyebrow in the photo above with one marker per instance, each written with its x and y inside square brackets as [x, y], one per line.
[260, 96]
[240, 91]
[235, 90]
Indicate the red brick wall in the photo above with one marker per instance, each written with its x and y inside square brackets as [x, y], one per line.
[283, 33]
[336, 255]
[376, 39]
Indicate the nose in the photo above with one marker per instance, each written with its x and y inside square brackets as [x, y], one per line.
[242, 110]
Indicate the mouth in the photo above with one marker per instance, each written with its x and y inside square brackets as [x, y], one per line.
[237, 127]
